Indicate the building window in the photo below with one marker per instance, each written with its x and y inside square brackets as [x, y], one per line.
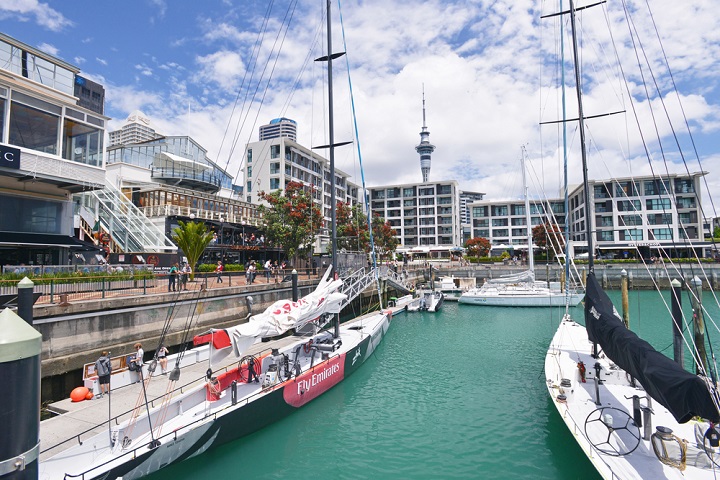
[249, 171]
[629, 206]
[409, 192]
[274, 168]
[660, 219]
[478, 212]
[499, 211]
[605, 236]
[274, 183]
[684, 185]
[499, 222]
[82, 143]
[634, 234]
[518, 209]
[661, 234]
[657, 204]
[274, 151]
[629, 220]
[33, 128]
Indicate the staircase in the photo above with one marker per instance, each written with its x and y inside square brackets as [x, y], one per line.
[129, 228]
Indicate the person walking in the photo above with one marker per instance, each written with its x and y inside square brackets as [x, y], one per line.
[172, 276]
[103, 368]
[219, 270]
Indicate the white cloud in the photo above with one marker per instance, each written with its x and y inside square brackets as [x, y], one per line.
[47, 48]
[44, 15]
[224, 68]
[79, 60]
[144, 70]
[101, 61]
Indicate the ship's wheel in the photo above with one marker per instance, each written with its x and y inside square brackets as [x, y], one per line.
[252, 364]
[612, 431]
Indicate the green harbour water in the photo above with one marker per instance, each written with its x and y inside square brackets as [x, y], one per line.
[456, 394]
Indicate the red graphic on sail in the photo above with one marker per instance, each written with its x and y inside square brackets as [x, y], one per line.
[314, 383]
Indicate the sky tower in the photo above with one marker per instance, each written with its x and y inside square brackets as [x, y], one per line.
[425, 149]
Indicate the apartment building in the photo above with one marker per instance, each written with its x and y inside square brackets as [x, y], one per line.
[647, 213]
[271, 164]
[425, 216]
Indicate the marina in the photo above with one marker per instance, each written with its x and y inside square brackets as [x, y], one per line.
[454, 394]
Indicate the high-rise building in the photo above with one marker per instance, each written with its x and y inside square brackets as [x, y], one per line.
[425, 148]
[90, 95]
[279, 127]
[136, 129]
[272, 164]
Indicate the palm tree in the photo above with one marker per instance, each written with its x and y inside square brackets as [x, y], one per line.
[192, 238]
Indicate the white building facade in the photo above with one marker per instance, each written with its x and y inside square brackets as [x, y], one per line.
[273, 163]
[644, 213]
[425, 216]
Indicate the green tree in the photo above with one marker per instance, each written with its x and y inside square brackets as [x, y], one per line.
[192, 238]
[716, 232]
[478, 247]
[292, 219]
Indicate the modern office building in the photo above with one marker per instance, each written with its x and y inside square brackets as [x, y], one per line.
[466, 198]
[279, 127]
[271, 164]
[643, 213]
[51, 148]
[136, 129]
[425, 216]
[90, 95]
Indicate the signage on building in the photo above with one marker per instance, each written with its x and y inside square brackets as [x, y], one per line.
[644, 244]
[9, 157]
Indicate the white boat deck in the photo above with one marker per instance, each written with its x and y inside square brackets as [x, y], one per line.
[582, 417]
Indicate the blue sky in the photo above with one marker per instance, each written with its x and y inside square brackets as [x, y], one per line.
[485, 66]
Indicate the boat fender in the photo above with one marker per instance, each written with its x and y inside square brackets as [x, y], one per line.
[308, 346]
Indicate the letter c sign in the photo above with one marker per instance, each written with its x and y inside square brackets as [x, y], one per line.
[9, 157]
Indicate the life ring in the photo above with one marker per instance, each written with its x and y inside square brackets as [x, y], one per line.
[308, 346]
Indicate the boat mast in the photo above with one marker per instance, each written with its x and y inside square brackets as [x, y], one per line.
[531, 259]
[581, 118]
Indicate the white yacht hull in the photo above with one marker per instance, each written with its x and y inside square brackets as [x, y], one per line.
[580, 414]
[520, 299]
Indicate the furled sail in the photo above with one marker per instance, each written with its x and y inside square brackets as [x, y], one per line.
[283, 315]
[527, 276]
[684, 394]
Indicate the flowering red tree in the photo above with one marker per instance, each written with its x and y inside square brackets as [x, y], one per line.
[478, 247]
[292, 219]
[353, 233]
[549, 236]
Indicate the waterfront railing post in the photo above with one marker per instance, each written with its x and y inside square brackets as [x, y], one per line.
[295, 294]
[102, 287]
[144, 285]
[25, 299]
[52, 290]
[625, 302]
[676, 302]
[20, 404]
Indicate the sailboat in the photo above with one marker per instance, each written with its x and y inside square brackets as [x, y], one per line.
[259, 389]
[521, 289]
[633, 411]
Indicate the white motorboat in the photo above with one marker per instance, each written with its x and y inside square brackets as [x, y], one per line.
[520, 290]
[427, 301]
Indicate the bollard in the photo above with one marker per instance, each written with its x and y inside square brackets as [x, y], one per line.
[625, 302]
[676, 302]
[25, 300]
[19, 405]
[699, 325]
[295, 294]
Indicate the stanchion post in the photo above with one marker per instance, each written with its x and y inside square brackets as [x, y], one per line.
[25, 300]
[295, 294]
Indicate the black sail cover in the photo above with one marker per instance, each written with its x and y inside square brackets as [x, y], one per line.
[684, 394]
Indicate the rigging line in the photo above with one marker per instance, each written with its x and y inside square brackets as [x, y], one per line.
[688, 241]
[359, 151]
[281, 36]
[682, 109]
[253, 58]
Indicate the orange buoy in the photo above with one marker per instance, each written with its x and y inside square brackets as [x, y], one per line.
[79, 394]
[89, 395]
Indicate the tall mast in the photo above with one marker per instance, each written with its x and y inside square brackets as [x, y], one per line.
[531, 259]
[331, 135]
[586, 183]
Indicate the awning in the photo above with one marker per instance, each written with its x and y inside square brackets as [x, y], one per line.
[168, 160]
[18, 239]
